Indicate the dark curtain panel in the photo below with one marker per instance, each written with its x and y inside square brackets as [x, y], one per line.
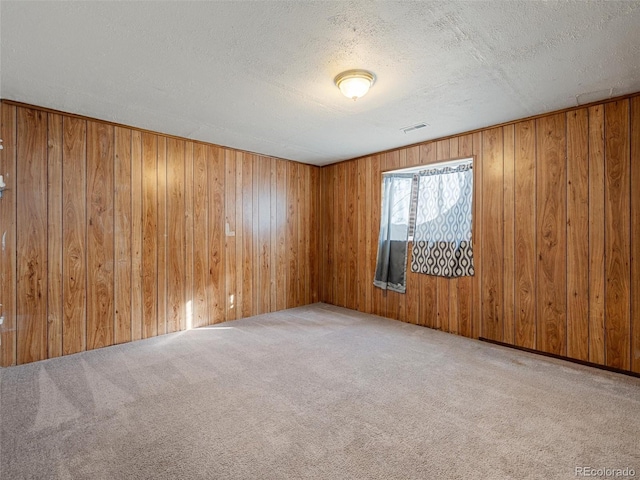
[391, 266]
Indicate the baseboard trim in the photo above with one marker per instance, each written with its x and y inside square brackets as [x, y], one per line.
[562, 357]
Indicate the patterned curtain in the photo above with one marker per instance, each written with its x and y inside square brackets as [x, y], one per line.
[442, 235]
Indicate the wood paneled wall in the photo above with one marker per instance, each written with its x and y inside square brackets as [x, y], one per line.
[112, 234]
[556, 228]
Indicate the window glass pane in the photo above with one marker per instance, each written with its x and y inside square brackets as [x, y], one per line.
[401, 201]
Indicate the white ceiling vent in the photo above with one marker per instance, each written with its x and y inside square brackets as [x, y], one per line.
[417, 126]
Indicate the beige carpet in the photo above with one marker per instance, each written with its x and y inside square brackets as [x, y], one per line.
[315, 392]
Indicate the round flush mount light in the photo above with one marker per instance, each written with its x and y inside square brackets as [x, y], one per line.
[354, 83]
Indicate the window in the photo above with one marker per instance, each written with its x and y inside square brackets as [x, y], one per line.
[431, 206]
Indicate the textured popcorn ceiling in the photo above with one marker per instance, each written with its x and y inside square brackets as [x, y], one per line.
[259, 76]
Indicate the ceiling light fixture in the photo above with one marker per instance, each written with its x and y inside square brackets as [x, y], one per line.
[354, 83]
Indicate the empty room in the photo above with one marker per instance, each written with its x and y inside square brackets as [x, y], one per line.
[319, 239]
